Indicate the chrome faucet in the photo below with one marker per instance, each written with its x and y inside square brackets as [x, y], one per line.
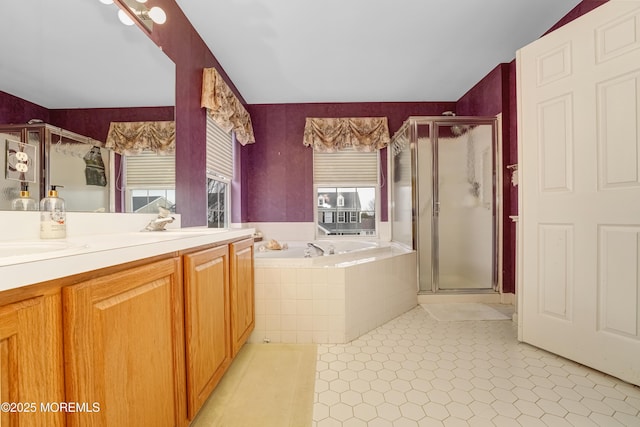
[316, 247]
[159, 223]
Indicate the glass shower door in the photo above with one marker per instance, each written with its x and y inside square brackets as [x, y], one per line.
[423, 160]
[464, 206]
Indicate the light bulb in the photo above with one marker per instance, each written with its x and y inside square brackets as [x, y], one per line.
[124, 18]
[106, 1]
[141, 1]
[157, 15]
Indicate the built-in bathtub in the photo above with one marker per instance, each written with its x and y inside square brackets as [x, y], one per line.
[332, 298]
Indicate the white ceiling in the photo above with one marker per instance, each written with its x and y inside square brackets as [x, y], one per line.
[76, 54]
[283, 51]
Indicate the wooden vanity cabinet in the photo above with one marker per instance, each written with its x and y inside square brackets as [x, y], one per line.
[219, 314]
[31, 365]
[207, 322]
[141, 344]
[242, 293]
[124, 347]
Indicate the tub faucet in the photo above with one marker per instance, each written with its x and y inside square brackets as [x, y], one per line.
[316, 247]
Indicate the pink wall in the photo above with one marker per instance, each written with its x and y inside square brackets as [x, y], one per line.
[489, 97]
[91, 122]
[15, 110]
[583, 7]
[496, 93]
[94, 122]
[278, 171]
[182, 44]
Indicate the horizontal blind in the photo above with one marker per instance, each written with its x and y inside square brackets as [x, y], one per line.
[346, 166]
[219, 151]
[150, 170]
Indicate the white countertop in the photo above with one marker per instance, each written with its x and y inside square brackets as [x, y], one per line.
[78, 254]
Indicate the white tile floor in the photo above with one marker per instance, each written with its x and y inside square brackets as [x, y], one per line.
[415, 371]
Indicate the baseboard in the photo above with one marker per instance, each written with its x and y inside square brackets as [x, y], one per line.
[492, 298]
[508, 298]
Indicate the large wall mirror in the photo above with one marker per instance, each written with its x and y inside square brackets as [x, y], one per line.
[75, 55]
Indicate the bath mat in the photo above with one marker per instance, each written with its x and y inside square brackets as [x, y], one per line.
[463, 311]
[267, 385]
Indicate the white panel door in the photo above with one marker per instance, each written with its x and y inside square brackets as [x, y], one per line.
[579, 164]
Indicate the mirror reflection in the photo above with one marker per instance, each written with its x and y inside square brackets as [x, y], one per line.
[75, 67]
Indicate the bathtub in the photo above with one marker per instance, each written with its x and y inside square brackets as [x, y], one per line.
[331, 298]
[343, 251]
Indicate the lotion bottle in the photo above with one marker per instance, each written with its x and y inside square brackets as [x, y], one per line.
[24, 202]
[52, 216]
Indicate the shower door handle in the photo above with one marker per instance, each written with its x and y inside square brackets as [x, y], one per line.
[436, 208]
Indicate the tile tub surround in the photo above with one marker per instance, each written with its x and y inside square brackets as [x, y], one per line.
[333, 303]
[304, 231]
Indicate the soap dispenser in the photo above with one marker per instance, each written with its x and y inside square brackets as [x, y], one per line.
[52, 216]
[24, 202]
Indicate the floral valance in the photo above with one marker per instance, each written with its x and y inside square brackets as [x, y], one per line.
[224, 107]
[360, 133]
[131, 138]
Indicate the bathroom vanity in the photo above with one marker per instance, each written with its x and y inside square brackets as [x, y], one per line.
[128, 329]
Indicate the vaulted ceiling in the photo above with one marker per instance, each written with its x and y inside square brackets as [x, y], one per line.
[284, 51]
[76, 54]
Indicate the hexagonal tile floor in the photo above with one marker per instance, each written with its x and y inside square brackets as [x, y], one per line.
[416, 371]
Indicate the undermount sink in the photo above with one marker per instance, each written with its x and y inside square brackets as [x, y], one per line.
[30, 247]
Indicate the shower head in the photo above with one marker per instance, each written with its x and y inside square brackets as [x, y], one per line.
[457, 130]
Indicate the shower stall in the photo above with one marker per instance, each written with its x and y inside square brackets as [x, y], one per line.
[443, 200]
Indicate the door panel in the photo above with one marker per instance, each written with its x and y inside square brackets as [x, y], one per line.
[455, 203]
[124, 347]
[579, 199]
[207, 324]
[423, 161]
[243, 316]
[465, 208]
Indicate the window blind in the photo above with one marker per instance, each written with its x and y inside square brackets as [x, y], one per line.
[346, 166]
[219, 151]
[148, 170]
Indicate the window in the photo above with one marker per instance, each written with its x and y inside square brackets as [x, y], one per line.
[148, 200]
[149, 181]
[219, 174]
[217, 203]
[346, 189]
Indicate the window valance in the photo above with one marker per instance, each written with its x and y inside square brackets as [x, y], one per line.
[131, 138]
[333, 134]
[224, 107]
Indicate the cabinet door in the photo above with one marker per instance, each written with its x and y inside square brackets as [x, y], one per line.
[242, 293]
[206, 279]
[124, 347]
[31, 362]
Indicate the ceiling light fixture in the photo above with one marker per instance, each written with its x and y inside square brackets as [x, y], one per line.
[157, 15]
[124, 18]
[135, 11]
